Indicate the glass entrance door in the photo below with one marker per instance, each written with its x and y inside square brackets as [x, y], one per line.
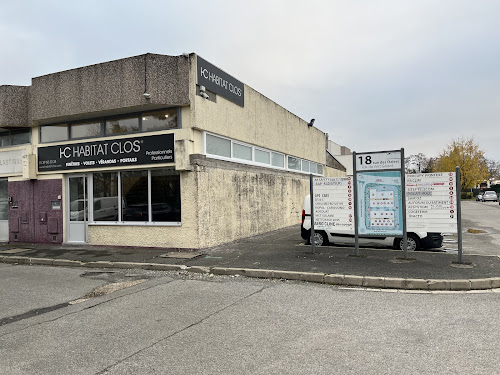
[77, 205]
[4, 211]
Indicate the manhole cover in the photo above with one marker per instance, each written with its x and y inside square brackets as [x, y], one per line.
[181, 254]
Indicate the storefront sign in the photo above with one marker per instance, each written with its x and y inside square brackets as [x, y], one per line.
[379, 200]
[333, 204]
[220, 82]
[431, 202]
[11, 161]
[154, 149]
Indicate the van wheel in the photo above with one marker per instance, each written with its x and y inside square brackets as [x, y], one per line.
[320, 239]
[412, 240]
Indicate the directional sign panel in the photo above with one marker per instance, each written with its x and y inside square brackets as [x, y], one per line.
[333, 204]
[431, 202]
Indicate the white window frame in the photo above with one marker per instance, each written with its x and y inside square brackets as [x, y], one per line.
[253, 162]
[90, 195]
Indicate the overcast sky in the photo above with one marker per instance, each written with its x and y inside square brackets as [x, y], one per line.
[375, 74]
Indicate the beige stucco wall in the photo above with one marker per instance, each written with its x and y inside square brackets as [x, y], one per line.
[331, 172]
[184, 236]
[260, 122]
[239, 201]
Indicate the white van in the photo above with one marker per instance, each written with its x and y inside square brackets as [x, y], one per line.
[416, 240]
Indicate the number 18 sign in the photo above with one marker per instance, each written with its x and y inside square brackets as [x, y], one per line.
[376, 161]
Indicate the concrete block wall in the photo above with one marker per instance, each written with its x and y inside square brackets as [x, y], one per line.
[14, 106]
[110, 88]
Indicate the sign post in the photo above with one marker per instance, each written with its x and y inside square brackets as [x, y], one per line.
[311, 185]
[459, 213]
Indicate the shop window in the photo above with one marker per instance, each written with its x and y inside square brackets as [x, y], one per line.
[293, 163]
[160, 120]
[218, 146]
[119, 125]
[134, 191]
[54, 133]
[105, 188]
[278, 160]
[145, 196]
[85, 129]
[165, 196]
[242, 152]
[263, 157]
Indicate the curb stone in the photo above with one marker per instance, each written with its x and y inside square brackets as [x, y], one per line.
[331, 279]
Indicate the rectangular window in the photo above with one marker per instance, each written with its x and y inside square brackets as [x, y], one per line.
[85, 129]
[218, 146]
[105, 188]
[242, 152]
[320, 169]
[263, 157]
[165, 195]
[305, 166]
[54, 133]
[125, 124]
[278, 160]
[5, 139]
[293, 163]
[160, 120]
[21, 137]
[134, 192]
[314, 168]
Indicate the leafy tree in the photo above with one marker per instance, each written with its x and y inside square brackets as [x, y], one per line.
[467, 155]
[494, 169]
[416, 163]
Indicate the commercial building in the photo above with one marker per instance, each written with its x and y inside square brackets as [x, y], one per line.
[151, 150]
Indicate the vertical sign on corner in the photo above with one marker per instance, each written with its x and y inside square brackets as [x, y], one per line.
[219, 82]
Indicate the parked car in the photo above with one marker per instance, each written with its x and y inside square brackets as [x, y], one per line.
[415, 240]
[479, 196]
[490, 195]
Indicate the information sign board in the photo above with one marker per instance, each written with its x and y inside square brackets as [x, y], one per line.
[379, 201]
[431, 202]
[333, 204]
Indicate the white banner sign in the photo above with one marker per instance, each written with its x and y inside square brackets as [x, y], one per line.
[431, 202]
[333, 204]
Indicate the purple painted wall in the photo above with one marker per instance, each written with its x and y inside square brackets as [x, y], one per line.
[31, 217]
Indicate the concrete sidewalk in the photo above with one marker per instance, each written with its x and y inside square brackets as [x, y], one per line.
[281, 254]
